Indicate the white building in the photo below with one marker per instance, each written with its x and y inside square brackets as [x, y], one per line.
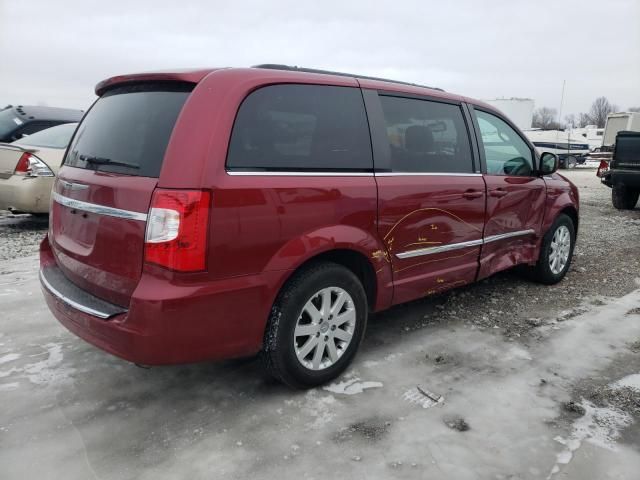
[519, 110]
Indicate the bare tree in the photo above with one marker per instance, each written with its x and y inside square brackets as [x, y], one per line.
[634, 109]
[545, 118]
[600, 108]
[584, 119]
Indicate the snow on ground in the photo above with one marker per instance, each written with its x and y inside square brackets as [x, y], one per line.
[631, 381]
[351, 387]
[71, 410]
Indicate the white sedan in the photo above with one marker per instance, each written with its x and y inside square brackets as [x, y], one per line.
[28, 168]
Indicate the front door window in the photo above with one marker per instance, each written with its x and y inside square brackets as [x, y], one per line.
[506, 153]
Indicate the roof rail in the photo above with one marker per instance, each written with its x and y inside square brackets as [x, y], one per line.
[290, 68]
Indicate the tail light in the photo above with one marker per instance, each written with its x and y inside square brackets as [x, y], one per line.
[603, 168]
[31, 166]
[177, 225]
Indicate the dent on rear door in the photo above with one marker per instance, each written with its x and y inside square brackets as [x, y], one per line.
[431, 198]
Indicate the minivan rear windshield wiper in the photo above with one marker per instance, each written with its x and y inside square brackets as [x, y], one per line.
[104, 161]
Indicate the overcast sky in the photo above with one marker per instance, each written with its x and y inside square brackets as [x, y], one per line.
[53, 52]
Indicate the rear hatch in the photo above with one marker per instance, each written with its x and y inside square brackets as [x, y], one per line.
[104, 188]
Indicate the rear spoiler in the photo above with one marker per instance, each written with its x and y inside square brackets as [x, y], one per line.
[185, 76]
[11, 146]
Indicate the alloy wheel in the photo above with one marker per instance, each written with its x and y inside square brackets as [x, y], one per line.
[560, 249]
[324, 328]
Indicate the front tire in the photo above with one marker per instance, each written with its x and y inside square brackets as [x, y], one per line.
[316, 326]
[556, 251]
[624, 198]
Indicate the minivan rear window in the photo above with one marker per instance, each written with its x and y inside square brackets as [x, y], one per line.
[301, 128]
[127, 130]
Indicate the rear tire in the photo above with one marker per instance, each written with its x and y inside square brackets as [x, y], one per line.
[316, 326]
[557, 246]
[624, 198]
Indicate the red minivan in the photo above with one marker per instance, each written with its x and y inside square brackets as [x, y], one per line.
[221, 213]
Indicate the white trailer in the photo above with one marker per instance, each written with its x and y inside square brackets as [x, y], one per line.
[618, 122]
[591, 133]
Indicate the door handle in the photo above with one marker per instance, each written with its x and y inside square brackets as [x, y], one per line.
[498, 192]
[472, 194]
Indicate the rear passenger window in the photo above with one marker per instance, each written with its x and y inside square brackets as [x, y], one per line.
[301, 127]
[426, 136]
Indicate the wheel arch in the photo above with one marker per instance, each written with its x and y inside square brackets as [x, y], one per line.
[355, 249]
[572, 213]
[352, 260]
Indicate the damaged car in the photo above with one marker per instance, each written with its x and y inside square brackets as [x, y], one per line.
[210, 214]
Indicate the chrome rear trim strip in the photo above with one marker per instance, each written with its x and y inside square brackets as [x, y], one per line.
[70, 302]
[456, 246]
[99, 209]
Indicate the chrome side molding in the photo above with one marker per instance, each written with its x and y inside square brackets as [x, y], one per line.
[457, 246]
[99, 209]
[439, 249]
[258, 173]
[502, 236]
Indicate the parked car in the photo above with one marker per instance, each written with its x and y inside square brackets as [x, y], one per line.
[622, 173]
[28, 167]
[223, 213]
[20, 121]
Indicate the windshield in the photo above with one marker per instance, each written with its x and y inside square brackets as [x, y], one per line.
[8, 122]
[128, 129]
[54, 137]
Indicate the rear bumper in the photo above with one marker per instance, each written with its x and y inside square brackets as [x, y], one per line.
[25, 194]
[628, 178]
[170, 324]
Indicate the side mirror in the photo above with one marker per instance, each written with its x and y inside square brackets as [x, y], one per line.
[549, 163]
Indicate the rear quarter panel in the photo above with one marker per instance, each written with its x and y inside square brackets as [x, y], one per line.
[263, 224]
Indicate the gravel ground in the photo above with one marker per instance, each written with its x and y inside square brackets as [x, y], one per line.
[20, 235]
